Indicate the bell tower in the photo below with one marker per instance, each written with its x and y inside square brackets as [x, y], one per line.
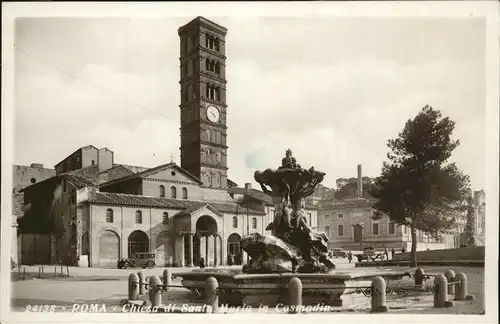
[203, 101]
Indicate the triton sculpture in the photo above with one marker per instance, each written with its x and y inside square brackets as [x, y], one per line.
[292, 246]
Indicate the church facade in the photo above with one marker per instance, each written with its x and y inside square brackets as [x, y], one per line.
[95, 211]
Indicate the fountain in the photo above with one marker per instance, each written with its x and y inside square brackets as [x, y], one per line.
[292, 250]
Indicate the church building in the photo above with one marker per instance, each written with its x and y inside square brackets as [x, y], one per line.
[94, 211]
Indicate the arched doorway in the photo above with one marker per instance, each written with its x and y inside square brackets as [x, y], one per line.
[234, 248]
[163, 249]
[138, 241]
[203, 242]
[109, 249]
[358, 233]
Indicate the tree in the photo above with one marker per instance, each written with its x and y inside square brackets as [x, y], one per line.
[418, 187]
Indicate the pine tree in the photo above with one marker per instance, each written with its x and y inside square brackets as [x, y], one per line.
[418, 187]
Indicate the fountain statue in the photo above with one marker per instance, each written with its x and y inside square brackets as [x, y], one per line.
[292, 250]
[293, 246]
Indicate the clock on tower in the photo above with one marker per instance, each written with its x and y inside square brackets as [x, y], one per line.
[203, 101]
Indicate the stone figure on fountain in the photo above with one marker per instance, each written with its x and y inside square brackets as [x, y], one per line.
[293, 246]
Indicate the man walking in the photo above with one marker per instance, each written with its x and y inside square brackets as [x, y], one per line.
[349, 256]
[392, 253]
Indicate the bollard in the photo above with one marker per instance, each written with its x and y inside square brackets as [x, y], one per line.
[441, 292]
[450, 276]
[55, 273]
[419, 277]
[212, 299]
[24, 273]
[379, 297]
[67, 270]
[142, 283]
[294, 295]
[62, 272]
[167, 279]
[155, 291]
[39, 272]
[133, 286]
[461, 289]
[42, 268]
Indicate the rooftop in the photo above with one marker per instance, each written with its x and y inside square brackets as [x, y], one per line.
[108, 198]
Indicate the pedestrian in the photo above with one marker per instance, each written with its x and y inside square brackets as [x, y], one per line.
[349, 256]
[392, 253]
[403, 250]
[386, 253]
[202, 263]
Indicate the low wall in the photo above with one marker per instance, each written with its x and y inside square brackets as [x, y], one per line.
[475, 253]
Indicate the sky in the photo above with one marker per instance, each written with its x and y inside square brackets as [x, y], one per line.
[333, 90]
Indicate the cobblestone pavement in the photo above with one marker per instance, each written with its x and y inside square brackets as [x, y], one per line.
[109, 287]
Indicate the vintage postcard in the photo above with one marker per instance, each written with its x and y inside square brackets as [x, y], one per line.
[303, 162]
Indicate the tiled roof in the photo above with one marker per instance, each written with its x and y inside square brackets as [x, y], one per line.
[348, 203]
[148, 172]
[108, 198]
[259, 195]
[86, 177]
[254, 193]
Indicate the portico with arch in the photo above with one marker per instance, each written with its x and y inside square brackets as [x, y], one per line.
[199, 235]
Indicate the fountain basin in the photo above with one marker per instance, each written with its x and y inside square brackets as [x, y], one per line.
[335, 288]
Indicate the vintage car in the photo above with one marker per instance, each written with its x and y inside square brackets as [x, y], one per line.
[338, 253]
[139, 259]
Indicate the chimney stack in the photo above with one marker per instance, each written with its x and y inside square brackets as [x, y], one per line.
[360, 181]
[248, 186]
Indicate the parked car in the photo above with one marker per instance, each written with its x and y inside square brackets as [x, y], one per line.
[140, 259]
[338, 253]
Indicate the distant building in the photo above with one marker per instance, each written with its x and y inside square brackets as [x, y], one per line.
[22, 177]
[470, 227]
[349, 225]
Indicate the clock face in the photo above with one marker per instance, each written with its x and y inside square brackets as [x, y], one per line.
[213, 114]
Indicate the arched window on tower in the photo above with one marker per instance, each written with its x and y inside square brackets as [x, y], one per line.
[212, 66]
[207, 64]
[162, 191]
[184, 193]
[212, 92]
[190, 92]
[235, 222]
[254, 222]
[217, 44]
[207, 90]
[206, 40]
[217, 68]
[211, 42]
[217, 94]
[109, 216]
[173, 192]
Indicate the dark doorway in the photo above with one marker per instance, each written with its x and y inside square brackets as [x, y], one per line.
[137, 242]
[234, 247]
[358, 234]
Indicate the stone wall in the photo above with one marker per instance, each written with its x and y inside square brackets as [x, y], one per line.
[470, 253]
[24, 176]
